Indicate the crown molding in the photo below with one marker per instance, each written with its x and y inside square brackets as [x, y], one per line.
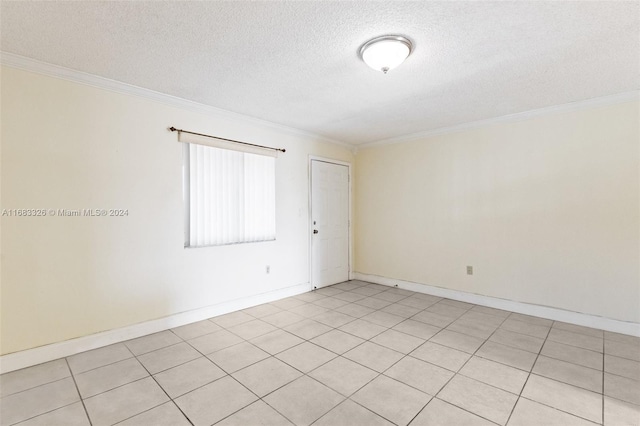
[618, 98]
[27, 64]
[21, 62]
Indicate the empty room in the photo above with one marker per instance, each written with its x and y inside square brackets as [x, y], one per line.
[328, 213]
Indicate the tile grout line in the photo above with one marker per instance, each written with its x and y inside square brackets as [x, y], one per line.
[158, 384]
[364, 385]
[559, 410]
[556, 380]
[304, 374]
[403, 357]
[125, 384]
[509, 347]
[603, 376]
[539, 351]
[231, 375]
[341, 356]
[525, 334]
[406, 355]
[529, 375]
[458, 372]
[46, 412]
[199, 387]
[259, 399]
[149, 375]
[106, 365]
[565, 383]
[35, 387]
[332, 328]
[134, 356]
[354, 402]
[116, 387]
[564, 360]
[247, 366]
[132, 381]
[78, 390]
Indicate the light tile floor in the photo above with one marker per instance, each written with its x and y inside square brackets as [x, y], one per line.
[351, 354]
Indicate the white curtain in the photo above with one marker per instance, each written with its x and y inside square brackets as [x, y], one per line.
[231, 196]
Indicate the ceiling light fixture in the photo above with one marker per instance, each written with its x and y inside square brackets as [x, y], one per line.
[386, 52]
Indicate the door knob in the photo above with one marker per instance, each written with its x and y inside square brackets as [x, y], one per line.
[315, 231]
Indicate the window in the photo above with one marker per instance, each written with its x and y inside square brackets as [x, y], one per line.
[229, 196]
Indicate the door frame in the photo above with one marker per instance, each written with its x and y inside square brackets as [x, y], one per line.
[310, 218]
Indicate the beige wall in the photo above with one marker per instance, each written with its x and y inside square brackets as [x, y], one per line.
[67, 145]
[546, 210]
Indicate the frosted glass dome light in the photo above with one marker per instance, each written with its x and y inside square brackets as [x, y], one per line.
[386, 52]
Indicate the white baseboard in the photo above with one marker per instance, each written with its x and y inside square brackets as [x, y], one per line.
[17, 360]
[556, 314]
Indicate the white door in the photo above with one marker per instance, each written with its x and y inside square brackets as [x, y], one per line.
[329, 223]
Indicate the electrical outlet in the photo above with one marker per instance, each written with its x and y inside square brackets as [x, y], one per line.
[268, 268]
[469, 270]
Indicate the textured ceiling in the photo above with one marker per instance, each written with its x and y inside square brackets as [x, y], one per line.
[296, 63]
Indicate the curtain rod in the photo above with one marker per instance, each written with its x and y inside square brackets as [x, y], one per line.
[173, 129]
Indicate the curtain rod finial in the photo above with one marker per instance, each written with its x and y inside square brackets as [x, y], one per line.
[173, 129]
